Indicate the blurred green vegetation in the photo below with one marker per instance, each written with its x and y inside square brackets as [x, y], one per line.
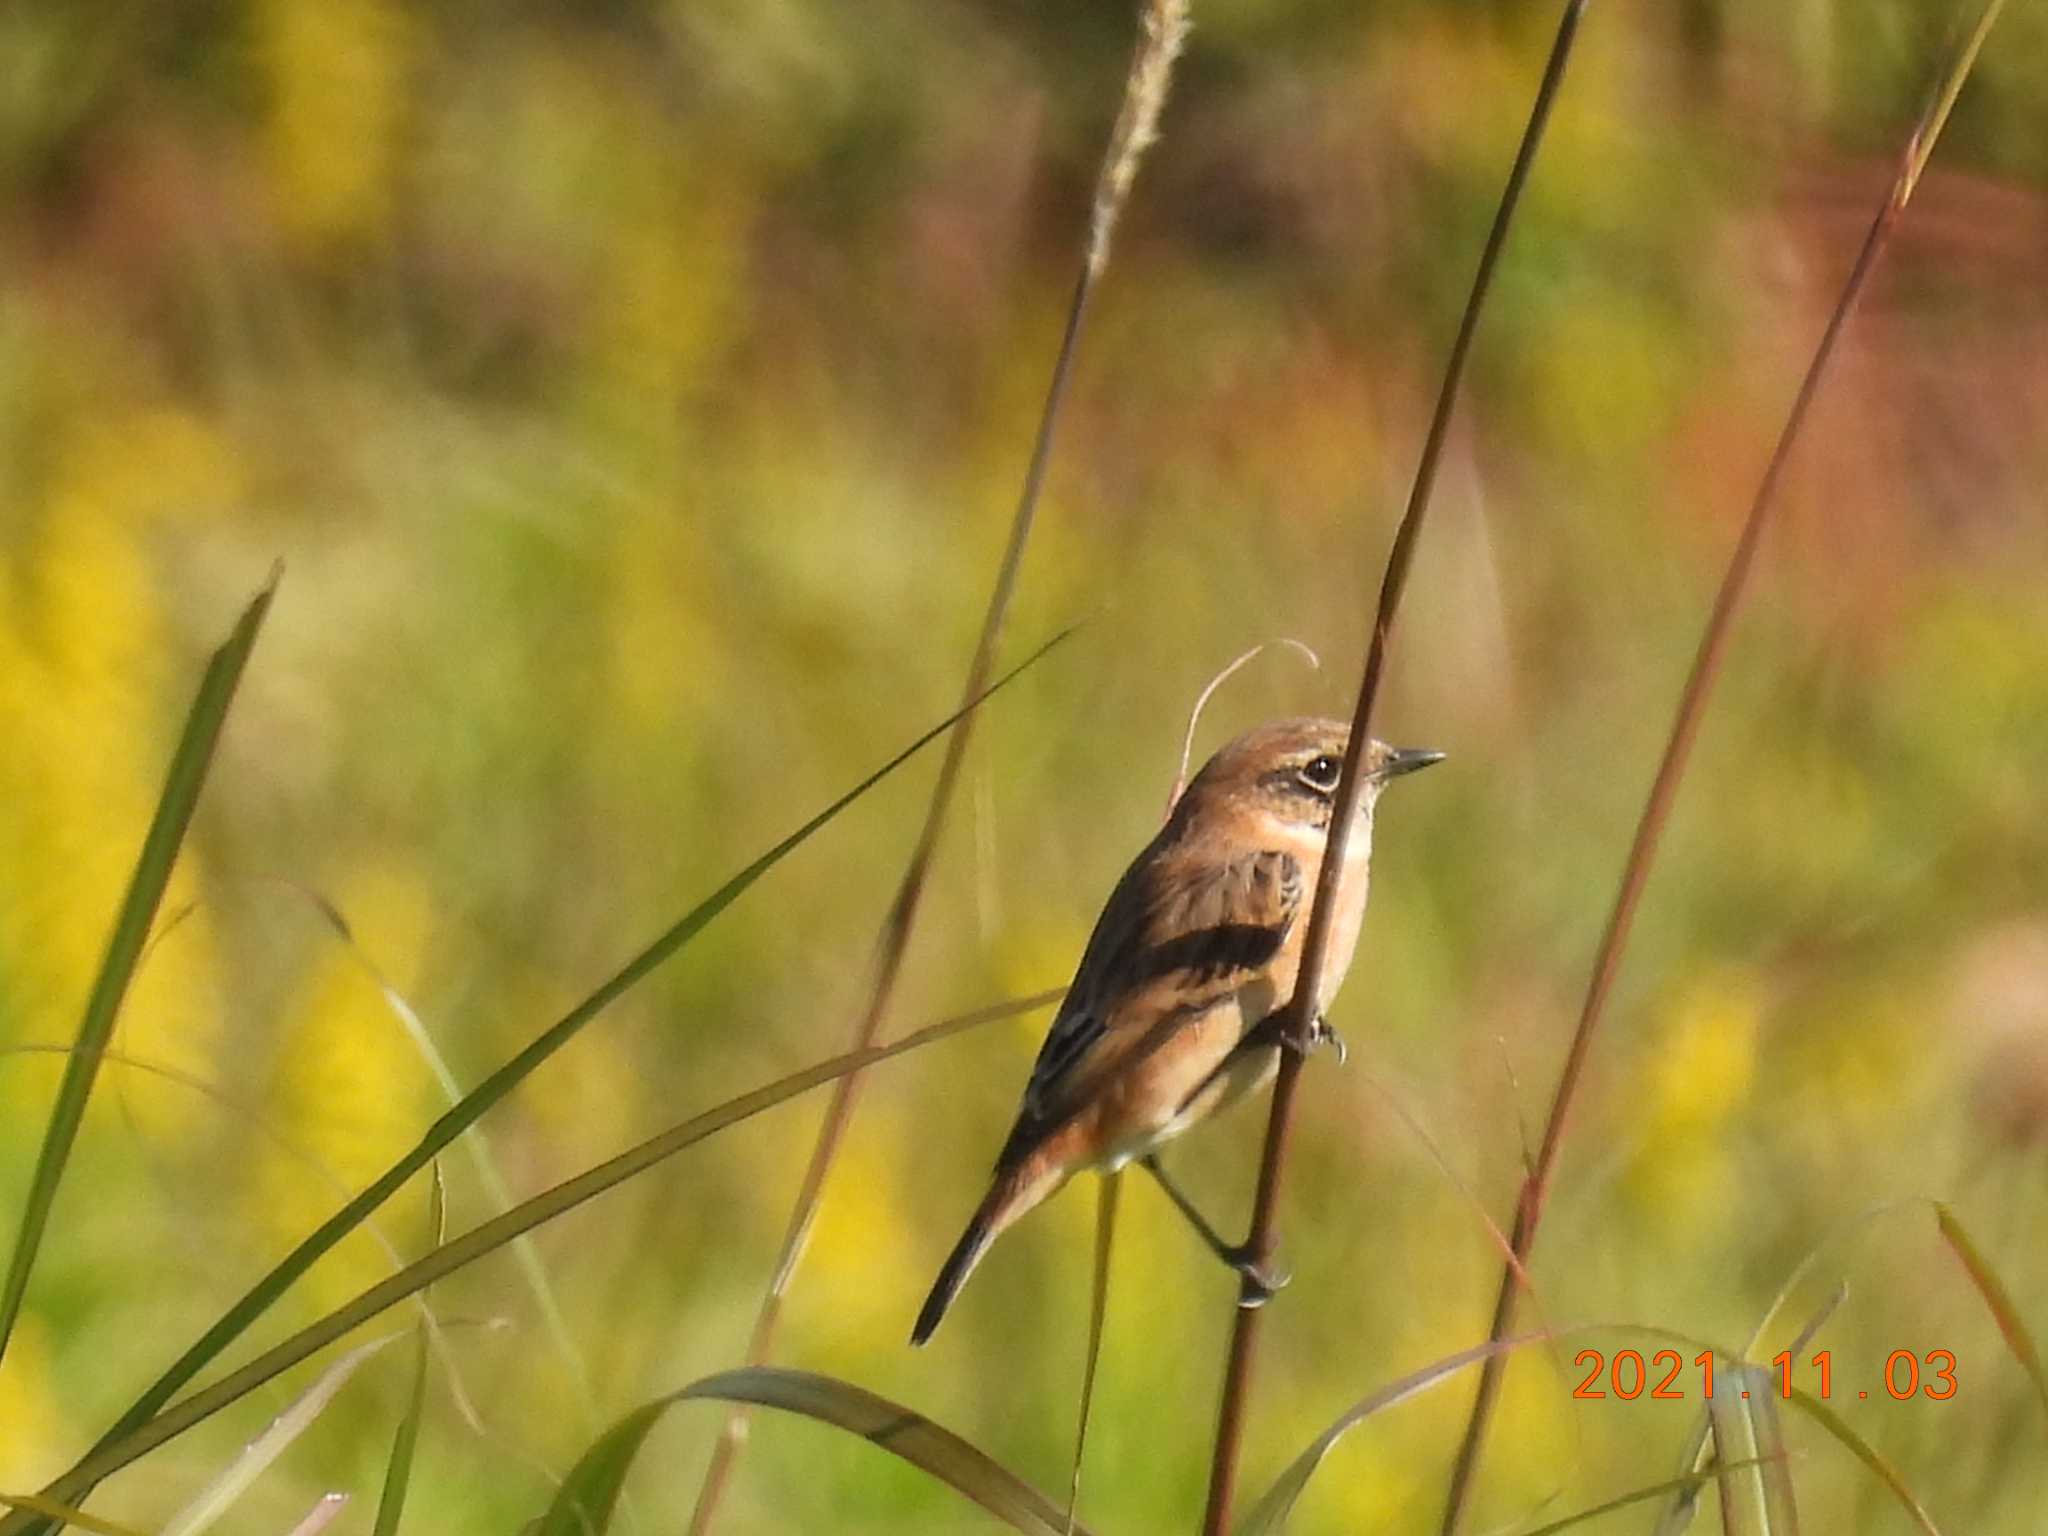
[636, 394]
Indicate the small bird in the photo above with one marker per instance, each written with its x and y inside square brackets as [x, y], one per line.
[1173, 1012]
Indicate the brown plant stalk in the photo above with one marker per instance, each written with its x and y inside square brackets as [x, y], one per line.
[1163, 29]
[1316, 942]
[1106, 1202]
[1692, 703]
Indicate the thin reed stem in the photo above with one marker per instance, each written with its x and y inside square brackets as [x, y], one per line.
[1163, 28]
[1685, 726]
[1098, 1315]
[1316, 943]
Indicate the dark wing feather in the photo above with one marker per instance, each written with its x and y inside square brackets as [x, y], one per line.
[1198, 931]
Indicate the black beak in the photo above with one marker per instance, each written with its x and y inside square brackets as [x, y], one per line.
[1407, 759]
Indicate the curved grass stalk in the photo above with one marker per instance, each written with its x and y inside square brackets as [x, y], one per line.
[73, 1485]
[255, 1119]
[493, 1234]
[584, 1505]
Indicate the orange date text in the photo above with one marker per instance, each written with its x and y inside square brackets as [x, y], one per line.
[1667, 1374]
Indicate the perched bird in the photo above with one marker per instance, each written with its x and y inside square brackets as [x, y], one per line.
[1172, 1014]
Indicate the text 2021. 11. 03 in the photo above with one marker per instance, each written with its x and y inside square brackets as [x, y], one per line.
[1667, 1374]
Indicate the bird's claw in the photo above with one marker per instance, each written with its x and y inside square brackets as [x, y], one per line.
[1321, 1034]
[1261, 1281]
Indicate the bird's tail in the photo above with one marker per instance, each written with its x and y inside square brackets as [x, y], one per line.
[1015, 1191]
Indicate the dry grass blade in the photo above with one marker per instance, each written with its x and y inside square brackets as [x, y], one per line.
[584, 1505]
[495, 1233]
[1736, 1468]
[1781, 1508]
[1686, 1491]
[73, 1485]
[1684, 729]
[214, 1500]
[1164, 26]
[321, 1515]
[1163, 31]
[1187, 745]
[2018, 1338]
[1885, 1472]
[175, 805]
[1316, 940]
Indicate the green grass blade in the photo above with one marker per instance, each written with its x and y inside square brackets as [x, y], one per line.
[588, 1495]
[1108, 1188]
[398, 1471]
[1661, 1490]
[495, 1233]
[1864, 1452]
[484, 1096]
[35, 1504]
[2018, 1338]
[583, 1505]
[174, 807]
[1270, 1515]
[481, 1157]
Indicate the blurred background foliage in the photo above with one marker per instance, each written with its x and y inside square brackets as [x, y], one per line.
[637, 394]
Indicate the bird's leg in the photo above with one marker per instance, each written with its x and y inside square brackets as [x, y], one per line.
[1260, 1281]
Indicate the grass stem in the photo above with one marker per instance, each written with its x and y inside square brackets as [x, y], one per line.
[1685, 726]
[1244, 1334]
[1163, 28]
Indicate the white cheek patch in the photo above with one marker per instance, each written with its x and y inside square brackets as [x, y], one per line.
[1296, 837]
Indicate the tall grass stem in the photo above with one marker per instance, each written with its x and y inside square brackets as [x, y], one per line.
[1685, 726]
[1316, 943]
[1163, 28]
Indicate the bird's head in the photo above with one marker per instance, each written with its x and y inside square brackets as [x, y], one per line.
[1288, 772]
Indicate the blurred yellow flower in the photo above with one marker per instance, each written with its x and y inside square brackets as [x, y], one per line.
[80, 664]
[1696, 1078]
[36, 1436]
[349, 1083]
[1702, 1072]
[337, 72]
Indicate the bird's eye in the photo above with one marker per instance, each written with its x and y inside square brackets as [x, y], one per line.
[1320, 773]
